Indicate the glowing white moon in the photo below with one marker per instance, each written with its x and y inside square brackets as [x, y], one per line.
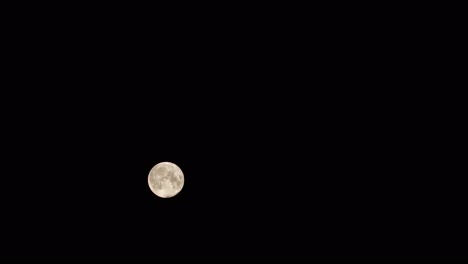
[166, 179]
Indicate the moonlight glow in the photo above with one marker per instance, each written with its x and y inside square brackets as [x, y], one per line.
[166, 179]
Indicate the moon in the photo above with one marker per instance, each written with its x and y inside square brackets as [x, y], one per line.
[166, 179]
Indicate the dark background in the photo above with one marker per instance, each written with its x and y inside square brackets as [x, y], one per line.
[307, 140]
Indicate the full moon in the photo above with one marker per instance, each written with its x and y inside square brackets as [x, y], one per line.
[166, 179]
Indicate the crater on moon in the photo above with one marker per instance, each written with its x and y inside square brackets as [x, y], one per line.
[166, 179]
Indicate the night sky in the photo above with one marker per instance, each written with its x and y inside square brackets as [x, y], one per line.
[290, 149]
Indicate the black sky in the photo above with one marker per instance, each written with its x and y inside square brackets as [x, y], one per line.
[289, 148]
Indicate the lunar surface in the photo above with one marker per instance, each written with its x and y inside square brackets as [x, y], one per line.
[166, 179]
